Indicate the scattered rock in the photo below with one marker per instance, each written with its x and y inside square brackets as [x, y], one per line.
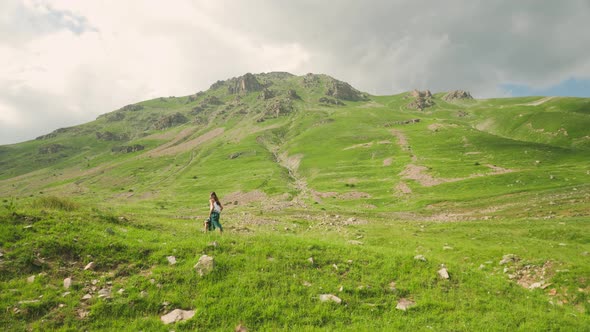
[89, 266]
[355, 242]
[330, 297]
[104, 293]
[120, 291]
[240, 328]
[404, 304]
[457, 94]
[86, 297]
[420, 258]
[31, 279]
[177, 315]
[205, 265]
[82, 313]
[392, 286]
[509, 258]
[171, 260]
[310, 259]
[67, 283]
[214, 244]
[443, 273]
[306, 283]
[447, 248]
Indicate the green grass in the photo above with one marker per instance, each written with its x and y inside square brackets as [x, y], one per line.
[493, 177]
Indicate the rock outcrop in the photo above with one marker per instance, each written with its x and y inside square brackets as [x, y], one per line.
[170, 121]
[457, 94]
[116, 116]
[278, 107]
[422, 99]
[244, 84]
[330, 101]
[110, 136]
[128, 149]
[344, 91]
[132, 108]
[51, 148]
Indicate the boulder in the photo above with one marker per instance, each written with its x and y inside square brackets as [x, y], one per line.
[420, 258]
[205, 265]
[171, 260]
[177, 315]
[110, 136]
[404, 304]
[127, 148]
[509, 258]
[330, 297]
[443, 273]
[330, 101]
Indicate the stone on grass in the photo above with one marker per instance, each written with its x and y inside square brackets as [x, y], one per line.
[104, 293]
[240, 328]
[392, 286]
[67, 283]
[443, 273]
[420, 258]
[205, 265]
[404, 304]
[310, 259]
[509, 258]
[86, 297]
[306, 283]
[447, 248]
[330, 297]
[355, 242]
[89, 266]
[171, 260]
[31, 279]
[177, 315]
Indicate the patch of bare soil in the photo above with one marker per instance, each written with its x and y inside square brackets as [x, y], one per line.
[497, 170]
[417, 173]
[241, 198]
[353, 195]
[362, 145]
[171, 149]
[538, 102]
[387, 162]
[403, 188]
[437, 126]
[402, 141]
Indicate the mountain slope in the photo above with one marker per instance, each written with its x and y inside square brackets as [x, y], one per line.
[299, 140]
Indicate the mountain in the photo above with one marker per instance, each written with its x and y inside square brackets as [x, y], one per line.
[343, 211]
[298, 140]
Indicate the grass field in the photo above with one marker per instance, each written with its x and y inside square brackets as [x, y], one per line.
[320, 198]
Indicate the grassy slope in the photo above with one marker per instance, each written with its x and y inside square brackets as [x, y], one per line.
[539, 211]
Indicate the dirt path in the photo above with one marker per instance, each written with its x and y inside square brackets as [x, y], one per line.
[539, 102]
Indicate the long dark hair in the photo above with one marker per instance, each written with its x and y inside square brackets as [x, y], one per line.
[214, 196]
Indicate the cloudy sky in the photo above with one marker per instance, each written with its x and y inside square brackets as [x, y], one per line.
[64, 62]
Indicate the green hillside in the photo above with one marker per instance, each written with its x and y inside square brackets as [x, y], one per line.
[306, 166]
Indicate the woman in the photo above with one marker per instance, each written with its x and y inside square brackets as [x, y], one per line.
[215, 209]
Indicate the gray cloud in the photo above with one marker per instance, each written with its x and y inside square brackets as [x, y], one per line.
[68, 62]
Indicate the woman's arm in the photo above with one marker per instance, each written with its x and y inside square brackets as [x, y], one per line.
[210, 207]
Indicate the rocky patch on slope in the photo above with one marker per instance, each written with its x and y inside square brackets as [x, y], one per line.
[422, 99]
[170, 121]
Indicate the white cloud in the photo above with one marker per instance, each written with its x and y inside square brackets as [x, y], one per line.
[68, 61]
